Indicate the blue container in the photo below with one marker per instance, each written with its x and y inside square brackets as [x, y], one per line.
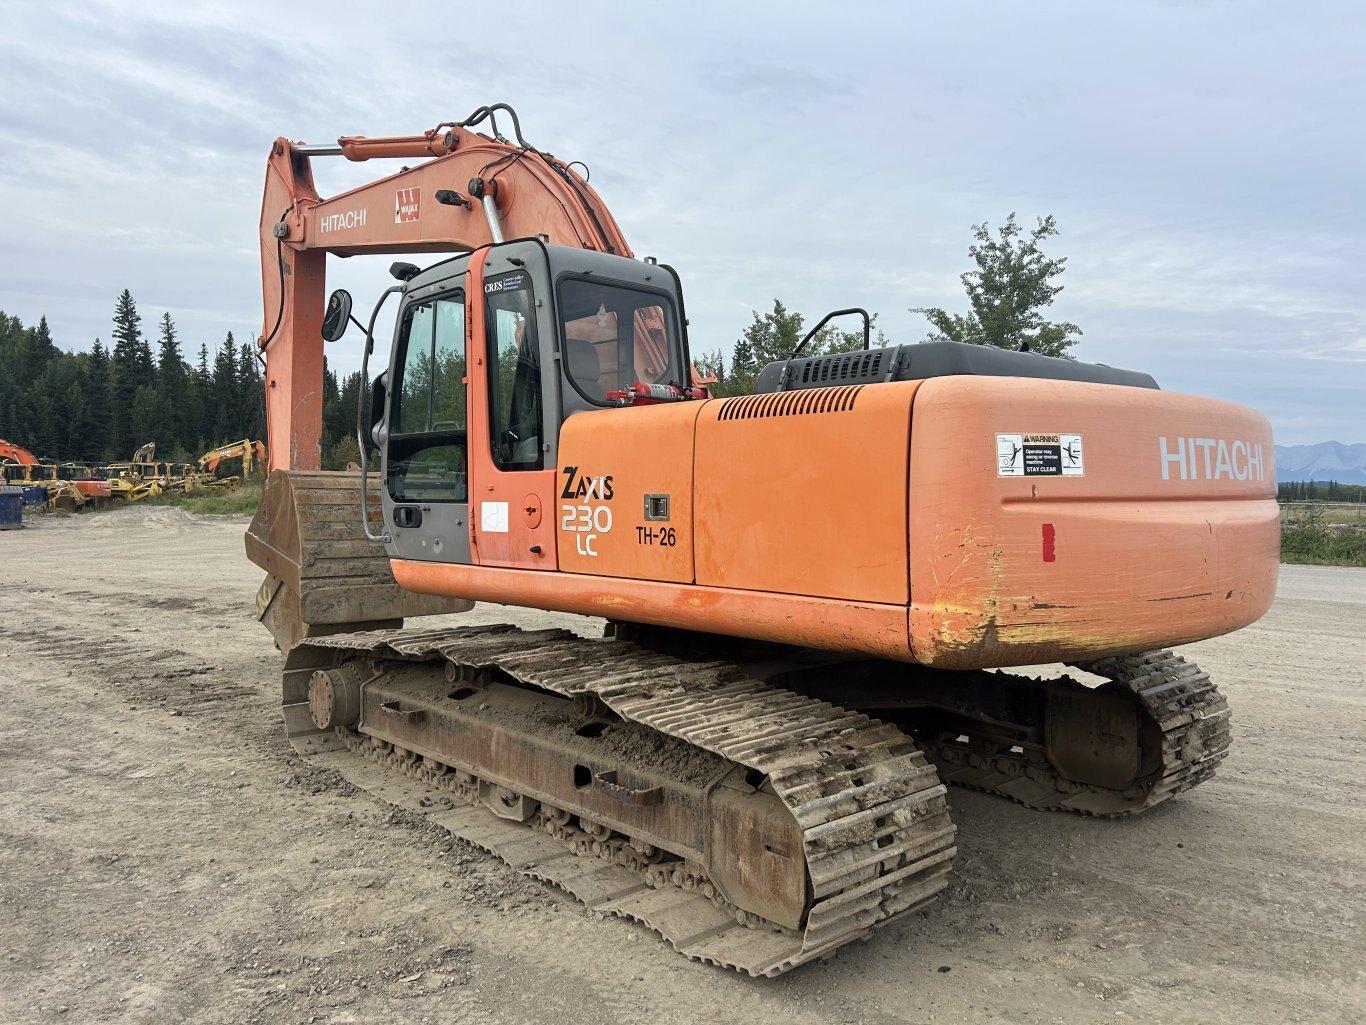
[11, 508]
[35, 495]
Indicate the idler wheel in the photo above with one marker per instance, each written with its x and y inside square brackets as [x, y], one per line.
[334, 697]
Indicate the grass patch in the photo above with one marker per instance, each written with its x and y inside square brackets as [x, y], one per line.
[1309, 539]
[1329, 512]
[241, 501]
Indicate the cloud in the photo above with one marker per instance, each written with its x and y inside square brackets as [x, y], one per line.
[1202, 160]
[1346, 352]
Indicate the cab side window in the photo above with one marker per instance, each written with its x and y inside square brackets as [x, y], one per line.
[614, 336]
[515, 412]
[427, 416]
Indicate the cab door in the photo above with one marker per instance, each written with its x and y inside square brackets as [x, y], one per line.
[512, 384]
[426, 457]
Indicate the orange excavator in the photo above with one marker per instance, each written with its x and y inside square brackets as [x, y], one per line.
[252, 453]
[812, 592]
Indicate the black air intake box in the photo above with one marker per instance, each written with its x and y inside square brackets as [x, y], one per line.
[935, 359]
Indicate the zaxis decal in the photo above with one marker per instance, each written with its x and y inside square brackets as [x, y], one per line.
[585, 513]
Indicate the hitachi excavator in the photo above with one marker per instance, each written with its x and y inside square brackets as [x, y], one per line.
[808, 590]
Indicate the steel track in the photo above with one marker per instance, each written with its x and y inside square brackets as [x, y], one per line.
[1177, 694]
[876, 833]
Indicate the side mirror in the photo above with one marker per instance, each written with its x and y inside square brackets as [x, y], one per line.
[338, 315]
[379, 393]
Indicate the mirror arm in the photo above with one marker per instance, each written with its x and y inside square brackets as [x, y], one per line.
[361, 440]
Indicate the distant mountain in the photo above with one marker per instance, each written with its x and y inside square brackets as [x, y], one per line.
[1328, 460]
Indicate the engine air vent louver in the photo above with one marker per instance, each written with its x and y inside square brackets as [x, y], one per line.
[841, 368]
[798, 403]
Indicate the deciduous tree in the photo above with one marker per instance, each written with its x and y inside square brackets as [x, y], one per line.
[1013, 283]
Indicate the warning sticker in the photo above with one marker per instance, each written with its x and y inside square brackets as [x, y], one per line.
[1039, 455]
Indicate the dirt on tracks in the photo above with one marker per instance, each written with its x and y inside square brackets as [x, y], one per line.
[164, 856]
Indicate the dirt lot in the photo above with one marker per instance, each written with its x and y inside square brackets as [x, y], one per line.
[164, 857]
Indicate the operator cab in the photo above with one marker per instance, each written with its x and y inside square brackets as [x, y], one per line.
[491, 357]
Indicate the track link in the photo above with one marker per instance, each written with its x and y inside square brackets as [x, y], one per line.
[1177, 694]
[874, 821]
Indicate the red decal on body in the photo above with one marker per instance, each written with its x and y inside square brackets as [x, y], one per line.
[407, 205]
[1050, 536]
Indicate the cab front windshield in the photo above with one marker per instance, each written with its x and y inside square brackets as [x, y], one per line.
[615, 335]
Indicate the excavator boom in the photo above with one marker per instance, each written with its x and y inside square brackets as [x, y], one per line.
[475, 190]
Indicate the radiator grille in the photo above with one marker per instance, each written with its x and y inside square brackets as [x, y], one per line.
[792, 403]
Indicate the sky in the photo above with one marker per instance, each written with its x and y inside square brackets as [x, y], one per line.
[1204, 161]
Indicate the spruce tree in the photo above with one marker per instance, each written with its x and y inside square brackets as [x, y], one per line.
[742, 359]
[202, 381]
[128, 372]
[150, 416]
[44, 350]
[334, 417]
[172, 385]
[250, 397]
[95, 436]
[226, 421]
[75, 416]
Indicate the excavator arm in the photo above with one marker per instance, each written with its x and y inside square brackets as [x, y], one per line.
[246, 449]
[16, 454]
[470, 190]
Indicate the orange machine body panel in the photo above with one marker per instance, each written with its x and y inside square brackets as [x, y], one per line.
[804, 492]
[92, 488]
[899, 520]
[615, 464]
[827, 623]
[1161, 526]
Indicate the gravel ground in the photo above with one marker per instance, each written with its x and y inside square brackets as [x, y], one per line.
[165, 857]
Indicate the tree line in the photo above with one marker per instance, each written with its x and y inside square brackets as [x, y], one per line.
[1319, 491]
[1010, 286]
[102, 405]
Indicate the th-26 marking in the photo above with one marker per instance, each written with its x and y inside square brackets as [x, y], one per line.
[664, 537]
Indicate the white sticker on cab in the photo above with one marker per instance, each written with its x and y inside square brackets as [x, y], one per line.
[493, 517]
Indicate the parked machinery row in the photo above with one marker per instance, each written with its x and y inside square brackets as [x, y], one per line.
[77, 487]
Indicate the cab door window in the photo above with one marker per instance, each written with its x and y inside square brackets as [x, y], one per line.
[515, 413]
[427, 416]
